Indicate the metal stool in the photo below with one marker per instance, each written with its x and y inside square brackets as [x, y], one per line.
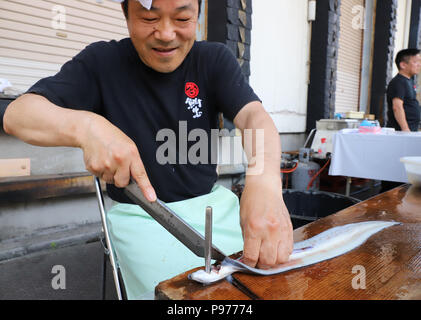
[108, 249]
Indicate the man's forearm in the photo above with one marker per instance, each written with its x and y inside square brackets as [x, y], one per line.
[264, 218]
[262, 145]
[400, 117]
[35, 120]
[108, 153]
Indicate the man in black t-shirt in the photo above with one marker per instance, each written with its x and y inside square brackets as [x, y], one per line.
[403, 112]
[403, 108]
[113, 98]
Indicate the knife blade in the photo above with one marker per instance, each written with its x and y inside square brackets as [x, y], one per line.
[173, 223]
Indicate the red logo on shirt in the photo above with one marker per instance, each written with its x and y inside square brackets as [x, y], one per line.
[192, 90]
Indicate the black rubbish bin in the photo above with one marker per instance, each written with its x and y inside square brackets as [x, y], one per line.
[307, 206]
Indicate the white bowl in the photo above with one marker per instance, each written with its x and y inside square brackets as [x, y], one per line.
[413, 169]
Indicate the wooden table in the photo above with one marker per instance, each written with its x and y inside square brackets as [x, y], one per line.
[389, 262]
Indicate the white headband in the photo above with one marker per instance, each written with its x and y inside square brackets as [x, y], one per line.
[146, 3]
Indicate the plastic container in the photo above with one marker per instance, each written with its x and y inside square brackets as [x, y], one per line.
[307, 206]
[367, 126]
[413, 170]
[355, 115]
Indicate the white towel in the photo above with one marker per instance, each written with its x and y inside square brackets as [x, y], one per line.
[146, 3]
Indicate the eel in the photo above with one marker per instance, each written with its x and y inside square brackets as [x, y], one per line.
[331, 243]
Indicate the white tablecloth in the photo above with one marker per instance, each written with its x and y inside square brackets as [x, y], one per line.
[373, 156]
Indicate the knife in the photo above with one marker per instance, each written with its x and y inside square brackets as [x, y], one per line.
[172, 222]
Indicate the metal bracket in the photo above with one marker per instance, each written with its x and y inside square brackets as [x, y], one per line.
[104, 245]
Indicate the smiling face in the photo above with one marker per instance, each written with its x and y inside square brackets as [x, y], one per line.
[164, 35]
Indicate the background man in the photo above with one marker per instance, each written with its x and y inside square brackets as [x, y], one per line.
[112, 99]
[403, 108]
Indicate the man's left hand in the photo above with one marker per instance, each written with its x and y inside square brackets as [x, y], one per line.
[265, 223]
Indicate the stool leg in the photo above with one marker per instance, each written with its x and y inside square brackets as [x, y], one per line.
[104, 275]
[348, 186]
[106, 235]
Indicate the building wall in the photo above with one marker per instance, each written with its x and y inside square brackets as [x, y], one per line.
[355, 51]
[323, 67]
[387, 28]
[402, 32]
[349, 56]
[279, 60]
[32, 47]
[396, 21]
[37, 37]
[367, 51]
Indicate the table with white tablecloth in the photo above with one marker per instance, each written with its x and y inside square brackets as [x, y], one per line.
[373, 156]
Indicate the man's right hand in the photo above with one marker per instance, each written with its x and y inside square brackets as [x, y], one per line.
[112, 156]
[108, 152]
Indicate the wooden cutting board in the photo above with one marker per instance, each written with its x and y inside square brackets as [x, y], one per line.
[386, 266]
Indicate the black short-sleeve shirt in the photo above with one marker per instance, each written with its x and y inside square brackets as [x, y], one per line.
[404, 89]
[109, 78]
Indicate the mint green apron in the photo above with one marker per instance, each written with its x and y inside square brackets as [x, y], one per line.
[148, 254]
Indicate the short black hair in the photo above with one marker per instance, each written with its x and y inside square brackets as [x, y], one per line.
[405, 55]
[126, 7]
